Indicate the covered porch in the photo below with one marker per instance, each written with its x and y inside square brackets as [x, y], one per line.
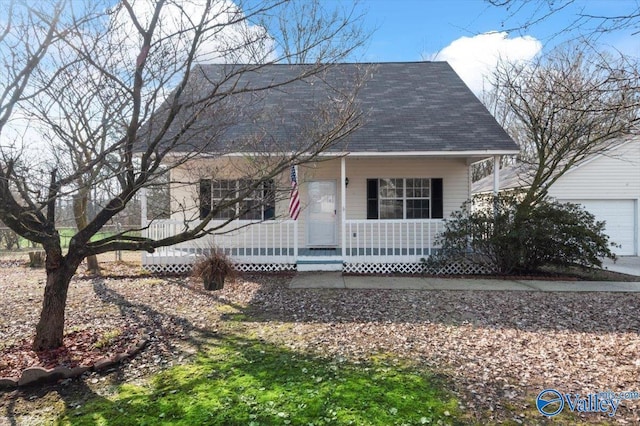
[336, 230]
[273, 245]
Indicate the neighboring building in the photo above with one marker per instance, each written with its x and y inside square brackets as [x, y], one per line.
[375, 203]
[607, 185]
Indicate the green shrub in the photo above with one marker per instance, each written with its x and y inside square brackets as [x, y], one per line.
[511, 238]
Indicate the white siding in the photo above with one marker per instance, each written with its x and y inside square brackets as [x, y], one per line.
[609, 187]
[454, 172]
[614, 176]
[185, 178]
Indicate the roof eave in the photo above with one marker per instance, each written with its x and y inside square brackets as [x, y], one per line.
[479, 154]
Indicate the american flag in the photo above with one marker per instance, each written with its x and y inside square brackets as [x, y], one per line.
[294, 201]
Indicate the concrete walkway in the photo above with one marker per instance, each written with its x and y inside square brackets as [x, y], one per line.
[337, 280]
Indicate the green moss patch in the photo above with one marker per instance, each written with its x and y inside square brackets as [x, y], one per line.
[238, 381]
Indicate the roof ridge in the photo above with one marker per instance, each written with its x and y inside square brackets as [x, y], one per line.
[328, 63]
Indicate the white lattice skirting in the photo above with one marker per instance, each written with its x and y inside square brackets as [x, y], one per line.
[265, 267]
[178, 268]
[349, 268]
[242, 267]
[414, 268]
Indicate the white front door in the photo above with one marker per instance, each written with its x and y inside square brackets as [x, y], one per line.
[321, 218]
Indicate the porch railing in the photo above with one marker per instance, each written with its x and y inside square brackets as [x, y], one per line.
[366, 241]
[391, 241]
[244, 241]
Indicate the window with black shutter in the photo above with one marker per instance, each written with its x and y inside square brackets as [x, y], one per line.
[205, 197]
[437, 199]
[372, 198]
[269, 205]
[404, 198]
[256, 204]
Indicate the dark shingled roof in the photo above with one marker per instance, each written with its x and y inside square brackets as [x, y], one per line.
[407, 107]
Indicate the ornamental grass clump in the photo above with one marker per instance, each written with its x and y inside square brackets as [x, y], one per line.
[213, 269]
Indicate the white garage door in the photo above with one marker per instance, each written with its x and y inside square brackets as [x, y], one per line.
[619, 216]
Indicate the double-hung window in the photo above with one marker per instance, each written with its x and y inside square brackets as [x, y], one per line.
[404, 198]
[237, 198]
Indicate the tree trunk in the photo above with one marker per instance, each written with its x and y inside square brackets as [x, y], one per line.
[80, 203]
[92, 264]
[50, 328]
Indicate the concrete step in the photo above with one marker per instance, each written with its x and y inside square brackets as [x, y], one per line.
[319, 263]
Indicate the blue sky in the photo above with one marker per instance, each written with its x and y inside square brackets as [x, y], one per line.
[406, 29]
[455, 31]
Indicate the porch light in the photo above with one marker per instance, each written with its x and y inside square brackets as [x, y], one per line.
[346, 181]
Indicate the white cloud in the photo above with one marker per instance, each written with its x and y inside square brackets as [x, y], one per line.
[474, 58]
[229, 36]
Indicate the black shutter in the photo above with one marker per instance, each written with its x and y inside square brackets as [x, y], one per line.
[269, 207]
[205, 197]
[372, 198]
[436, 199]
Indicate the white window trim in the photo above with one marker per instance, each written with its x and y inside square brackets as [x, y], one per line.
[405, 198]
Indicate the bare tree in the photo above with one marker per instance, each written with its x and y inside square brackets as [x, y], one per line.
[588, 23]
[78, 111]
[563, 108]
[145, 95]
[26, 34]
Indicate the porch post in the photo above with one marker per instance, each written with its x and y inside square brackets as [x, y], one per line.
[295, 240]
[143, 207]
[143, 222]
[343, 206]
[295, 224]
[496, 174]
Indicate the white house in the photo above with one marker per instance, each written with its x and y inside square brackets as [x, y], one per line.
[607, 185]
[374, 204]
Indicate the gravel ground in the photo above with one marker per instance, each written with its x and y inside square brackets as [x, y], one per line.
[496, 349]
